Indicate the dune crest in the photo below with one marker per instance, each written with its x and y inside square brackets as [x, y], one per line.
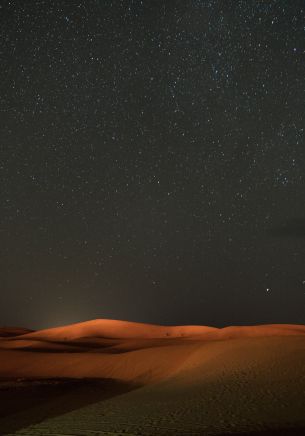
[133, 352]
[115, 329]
[192, 378]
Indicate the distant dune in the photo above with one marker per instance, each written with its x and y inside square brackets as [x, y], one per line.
[129, 351]
[105, 328]
[191, 378]
[13, 331]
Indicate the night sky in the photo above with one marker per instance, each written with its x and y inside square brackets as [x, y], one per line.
[152, 161]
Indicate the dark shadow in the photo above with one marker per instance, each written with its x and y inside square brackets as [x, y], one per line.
[52, 351]
[101, 345]
[13, 332]
[25, 402]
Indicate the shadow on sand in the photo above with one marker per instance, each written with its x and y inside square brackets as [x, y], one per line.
[26, 402]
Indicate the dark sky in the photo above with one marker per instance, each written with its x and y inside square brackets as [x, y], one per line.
[152, 161]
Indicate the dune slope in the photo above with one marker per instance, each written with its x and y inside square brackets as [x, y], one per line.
[187, 380]
[13, 331]
[106, 328]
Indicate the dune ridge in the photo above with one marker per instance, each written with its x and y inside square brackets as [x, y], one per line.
[174, 380]
[129, 351]
[116, 329]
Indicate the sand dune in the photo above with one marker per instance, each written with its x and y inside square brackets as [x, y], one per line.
[13, 331]
[184, 379]
[132, 352]
[123, 329]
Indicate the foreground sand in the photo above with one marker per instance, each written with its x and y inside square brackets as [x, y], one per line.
[109, 377]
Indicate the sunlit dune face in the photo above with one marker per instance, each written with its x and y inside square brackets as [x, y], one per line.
[127, 350]
[104, 328]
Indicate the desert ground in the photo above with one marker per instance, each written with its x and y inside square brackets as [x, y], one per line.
[107, 377]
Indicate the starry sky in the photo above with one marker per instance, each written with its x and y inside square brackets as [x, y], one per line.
[152, 161]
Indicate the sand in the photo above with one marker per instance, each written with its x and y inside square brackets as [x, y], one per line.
[126, 330]
[113, 377]
[13, 331]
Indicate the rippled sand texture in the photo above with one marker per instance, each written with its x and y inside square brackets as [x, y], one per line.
[109, 377]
